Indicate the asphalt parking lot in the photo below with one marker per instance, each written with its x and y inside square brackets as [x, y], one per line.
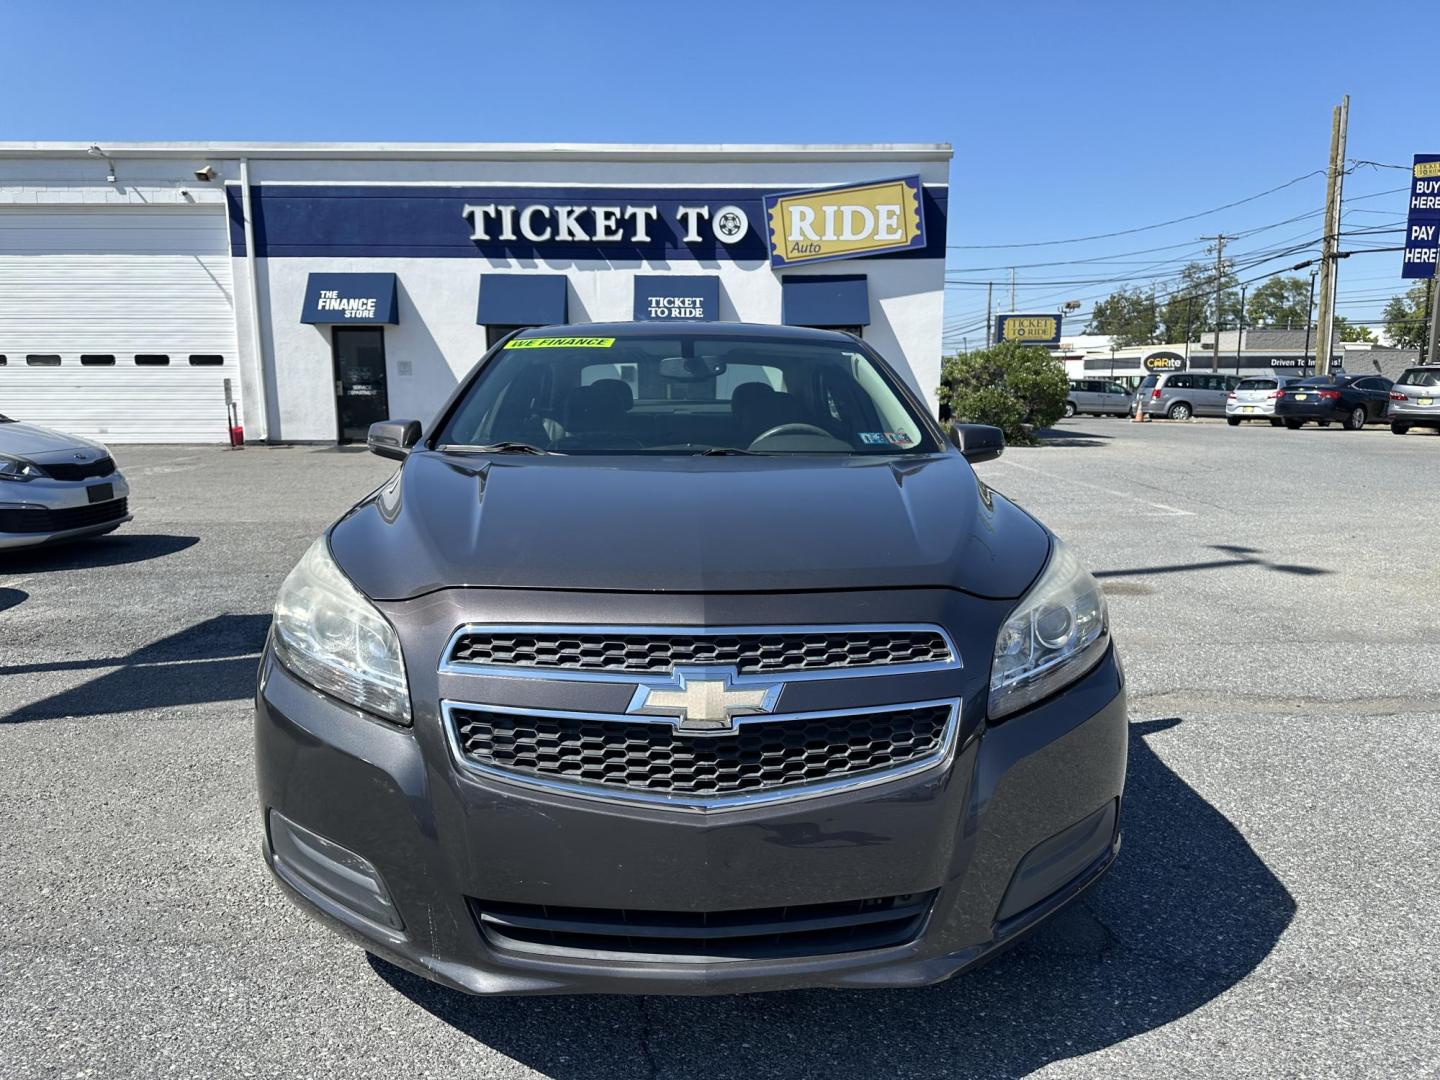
[1275, 910]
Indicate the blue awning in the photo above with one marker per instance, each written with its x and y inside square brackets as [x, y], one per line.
[677, 297]
[352, 299]
[522, 300]
[824, 300]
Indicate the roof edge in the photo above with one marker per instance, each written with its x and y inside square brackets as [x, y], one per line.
[776, 152]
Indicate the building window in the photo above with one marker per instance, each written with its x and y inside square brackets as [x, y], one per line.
[3, 361]
[96, 360]
[152, 359]
[43, 360]
[206, 359]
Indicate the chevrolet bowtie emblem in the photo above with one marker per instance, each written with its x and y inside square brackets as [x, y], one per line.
[704, 698]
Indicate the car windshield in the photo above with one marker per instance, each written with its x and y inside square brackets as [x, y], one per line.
[1149, 381]
[646, 394]
[1320, 380]
[1256, 384]
[1420, 376]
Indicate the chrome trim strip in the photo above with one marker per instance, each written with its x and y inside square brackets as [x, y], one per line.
[941, 757]
[558, 674]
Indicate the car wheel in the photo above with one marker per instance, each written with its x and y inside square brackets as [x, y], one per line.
[1069, 409]
[1179, 411]
[1294, 425]
[1276, 422]
[1397, 428]
[1233, 421]
[1356, 420]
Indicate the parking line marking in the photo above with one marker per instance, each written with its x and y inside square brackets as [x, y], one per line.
[1169, 511]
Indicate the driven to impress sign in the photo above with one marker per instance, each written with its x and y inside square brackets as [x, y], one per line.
[1422, 227]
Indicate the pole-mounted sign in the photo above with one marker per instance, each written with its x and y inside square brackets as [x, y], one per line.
[1028, 329]
[1422, 227]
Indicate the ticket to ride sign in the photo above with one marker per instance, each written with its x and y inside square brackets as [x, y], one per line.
[845, 222]
[1028, 329]
[1422, 225]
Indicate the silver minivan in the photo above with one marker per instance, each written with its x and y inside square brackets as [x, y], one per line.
[1099, 397]
[1179, 395]
[1255, 397]
[1415, 399]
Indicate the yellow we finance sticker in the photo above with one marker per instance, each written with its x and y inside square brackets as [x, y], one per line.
[561, 343]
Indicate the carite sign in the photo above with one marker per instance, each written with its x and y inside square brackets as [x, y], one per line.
[1163, 361]
[1422, 227]
[1028, 329]
[844, 222]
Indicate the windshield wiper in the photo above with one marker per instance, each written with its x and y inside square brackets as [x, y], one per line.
[495, 448]
[727, 451]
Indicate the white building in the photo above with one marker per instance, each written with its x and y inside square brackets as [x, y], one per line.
[332, 284]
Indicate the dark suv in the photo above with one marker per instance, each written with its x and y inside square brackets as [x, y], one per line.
[687, 660]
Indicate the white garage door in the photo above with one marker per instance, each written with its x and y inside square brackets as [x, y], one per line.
[117, 323]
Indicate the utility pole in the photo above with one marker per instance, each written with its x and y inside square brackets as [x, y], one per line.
[1219, 290]
[1309, 319]
[1434, 320]
[989, 314]
[1329, 263]
[1239, 329]
[1012, 289]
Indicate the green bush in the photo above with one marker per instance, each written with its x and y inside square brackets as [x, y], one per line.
[1015, 387]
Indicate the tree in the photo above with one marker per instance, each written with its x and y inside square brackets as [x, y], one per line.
[1349, 332]
[1405, 317]
[1280, 301]
[1128, 316]
[1015, 387]
[1189, 311]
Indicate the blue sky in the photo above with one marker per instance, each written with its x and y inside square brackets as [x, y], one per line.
[1067, 120]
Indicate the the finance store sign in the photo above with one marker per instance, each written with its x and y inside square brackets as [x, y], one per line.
[889, 218]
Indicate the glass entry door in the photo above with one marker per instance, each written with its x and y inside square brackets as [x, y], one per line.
[361, 398]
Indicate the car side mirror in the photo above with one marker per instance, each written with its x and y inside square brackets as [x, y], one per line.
[393, 438]
[978, 442]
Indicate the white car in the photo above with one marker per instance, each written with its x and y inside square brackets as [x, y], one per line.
[1254, 399]
[55, 486]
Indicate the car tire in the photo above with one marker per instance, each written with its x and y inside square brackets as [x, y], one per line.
[1179, 411]
[1069, 409]
[1397, 428]
[1274, 422]
[1294, 425]
[1233, 421]
[1356, 420]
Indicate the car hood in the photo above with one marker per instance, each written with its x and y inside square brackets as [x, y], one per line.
[37, 443]
[687, 525]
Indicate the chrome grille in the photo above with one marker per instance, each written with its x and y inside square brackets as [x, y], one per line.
[656, 761]
[748, 651]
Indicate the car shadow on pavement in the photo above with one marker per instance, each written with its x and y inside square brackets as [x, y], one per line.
[115, 549]
[214, 660]
[1187, 912]
[12, 598]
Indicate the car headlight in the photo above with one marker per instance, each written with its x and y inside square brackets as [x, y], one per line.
[18, 469]
[330, 635]
[1058, 632]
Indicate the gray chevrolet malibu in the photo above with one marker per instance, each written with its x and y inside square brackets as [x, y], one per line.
[687, 660]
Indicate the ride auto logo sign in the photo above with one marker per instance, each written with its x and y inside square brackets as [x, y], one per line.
[843, 222]
[1422, 226]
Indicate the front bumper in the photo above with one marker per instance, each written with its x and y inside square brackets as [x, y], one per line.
[438, 838]
[63, 496]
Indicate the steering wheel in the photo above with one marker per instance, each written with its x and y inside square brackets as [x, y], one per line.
[791, 429]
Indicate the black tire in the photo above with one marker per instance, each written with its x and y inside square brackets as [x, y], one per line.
[1276, 422]
[1180, 411]
[1356, 420]
[1294, 425]
[1069, 409]
[1233, 421]
[1397, 428]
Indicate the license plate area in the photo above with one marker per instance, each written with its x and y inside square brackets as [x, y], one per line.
[100, 492]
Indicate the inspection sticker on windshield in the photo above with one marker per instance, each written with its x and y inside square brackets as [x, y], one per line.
[885, 438]
[561, 343]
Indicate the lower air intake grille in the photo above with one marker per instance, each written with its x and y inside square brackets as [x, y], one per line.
[658, 759]
[687, 936]
[48, 521]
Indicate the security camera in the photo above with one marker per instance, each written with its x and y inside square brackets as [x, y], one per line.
[205, 173]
